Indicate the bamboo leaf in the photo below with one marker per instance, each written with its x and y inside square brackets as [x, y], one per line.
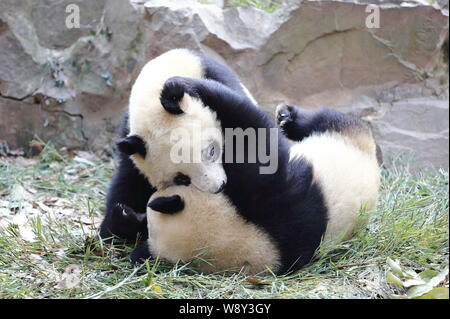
[418, 291]
[393, 279]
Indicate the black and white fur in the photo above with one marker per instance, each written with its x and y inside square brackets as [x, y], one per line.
[322, 182]
[130, 188]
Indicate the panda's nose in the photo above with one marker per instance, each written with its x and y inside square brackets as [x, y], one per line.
[181, 179]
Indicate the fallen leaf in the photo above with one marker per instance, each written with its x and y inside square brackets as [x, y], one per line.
[156, 288]
[256, 281]
[83, 161]
[73, 269]
[30, 190]
[71, 277]
[413, 282]
[418, 291]
[436, 280]
[19, 219]
[86, 155]
[19, 193]
[27, 233]
[436, 293]
[393, 279]
[90, 220]
[23, 161]
[426, 275]
[43, 207]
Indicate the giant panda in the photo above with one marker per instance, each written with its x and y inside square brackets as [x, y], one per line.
[262, 221]
[144, 141]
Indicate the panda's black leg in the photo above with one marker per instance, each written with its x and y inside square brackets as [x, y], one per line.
[140, 253]
[128, 194]
[126, 204]
[297, 123]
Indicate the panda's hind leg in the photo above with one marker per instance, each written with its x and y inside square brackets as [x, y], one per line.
[297, 123]
[141, 253]
[293, 121]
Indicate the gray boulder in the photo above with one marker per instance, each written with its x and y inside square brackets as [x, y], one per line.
[309, 53]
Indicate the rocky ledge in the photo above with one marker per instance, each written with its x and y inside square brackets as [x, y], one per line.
[69, 85]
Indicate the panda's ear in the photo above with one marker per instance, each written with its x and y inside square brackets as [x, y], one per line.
[132, 145]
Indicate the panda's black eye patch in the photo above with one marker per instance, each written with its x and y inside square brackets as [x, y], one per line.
[132, 145]
[182, 179]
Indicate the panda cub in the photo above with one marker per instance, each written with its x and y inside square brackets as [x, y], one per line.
[145, 142]
[262, 221]
[205, 229]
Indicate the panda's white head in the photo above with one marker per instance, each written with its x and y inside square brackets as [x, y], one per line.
[164, 146]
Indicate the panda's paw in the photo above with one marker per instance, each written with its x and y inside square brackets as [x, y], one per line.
[167, 205]
[285, 115]
[123, 224]
[123, 212]
[173, 93]
[140, 253]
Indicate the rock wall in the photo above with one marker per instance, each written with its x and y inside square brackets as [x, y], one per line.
[69, 85]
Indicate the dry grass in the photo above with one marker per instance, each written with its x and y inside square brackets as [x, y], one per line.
[50, 208]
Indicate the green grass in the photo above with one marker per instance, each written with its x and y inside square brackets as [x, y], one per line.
[265, 5]
[61, 200]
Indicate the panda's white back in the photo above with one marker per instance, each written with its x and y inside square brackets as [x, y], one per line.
[347, 174]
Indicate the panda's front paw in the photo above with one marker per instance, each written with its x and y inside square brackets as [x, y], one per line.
[173, 93]
[167, 205]
[123, 212]
[285, 114]
[122, 223]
